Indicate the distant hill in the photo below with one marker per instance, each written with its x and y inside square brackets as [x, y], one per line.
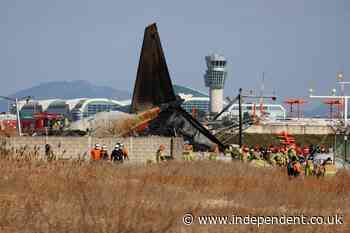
[68, 90]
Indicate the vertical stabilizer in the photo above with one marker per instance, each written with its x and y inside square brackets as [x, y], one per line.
[153, 85]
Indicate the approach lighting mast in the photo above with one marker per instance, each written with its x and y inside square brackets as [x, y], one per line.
[298, 103]
[343, 97]
[331, 103]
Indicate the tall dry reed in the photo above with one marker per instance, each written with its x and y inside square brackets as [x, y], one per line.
[77, 196]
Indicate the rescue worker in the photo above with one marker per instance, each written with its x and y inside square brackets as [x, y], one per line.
[266, 155]
[258, 162]
[306, 152]
[293, 170]
[270, 152]
[291, 153]
[160, 154]
[311, 150]
[298, 151]
[273, 159]
[117, 154]
[259, 155]
[309, 168]
[329, 168]
[235, 152]
[244, 154]
[214, 153]
[55, 125]
[49, 153]
[125, 152]
[318, 170]
[251, 154]
[47, 150]
[290, 169]
[276, 158]
[318, 149]
[228, 151]
[284, 157]
[296, 167]
[96, 152]
[188, 152]
[104, 153]
[281, 159]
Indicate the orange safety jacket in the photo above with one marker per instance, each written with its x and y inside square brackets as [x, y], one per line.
[297, 167]
[125, 153]
[95, 154]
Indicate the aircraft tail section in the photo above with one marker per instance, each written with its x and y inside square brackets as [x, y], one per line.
[153, 85]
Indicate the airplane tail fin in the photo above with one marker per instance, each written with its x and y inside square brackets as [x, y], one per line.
[153, 85]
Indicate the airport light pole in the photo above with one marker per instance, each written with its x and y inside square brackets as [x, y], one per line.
[240, 130]
[333, 96]
[342, 83]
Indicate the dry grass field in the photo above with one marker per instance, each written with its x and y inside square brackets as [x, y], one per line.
[68, 196]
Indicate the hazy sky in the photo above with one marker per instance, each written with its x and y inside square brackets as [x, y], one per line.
[297, 43]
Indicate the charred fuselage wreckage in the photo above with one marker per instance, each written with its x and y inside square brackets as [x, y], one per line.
[154, 90]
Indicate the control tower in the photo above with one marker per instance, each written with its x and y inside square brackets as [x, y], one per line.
[215, 79]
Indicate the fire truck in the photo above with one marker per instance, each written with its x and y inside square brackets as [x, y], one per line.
[42, 122]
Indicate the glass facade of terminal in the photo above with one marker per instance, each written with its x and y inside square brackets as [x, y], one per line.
[28, 110]
[59, 107]
[199, 101]
[199, 105]
[95, 107]
[82, 109]
[87, 109]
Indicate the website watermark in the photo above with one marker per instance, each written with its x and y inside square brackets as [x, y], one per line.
[189, 219]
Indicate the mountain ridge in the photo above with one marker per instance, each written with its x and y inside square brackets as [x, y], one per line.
[67, 90]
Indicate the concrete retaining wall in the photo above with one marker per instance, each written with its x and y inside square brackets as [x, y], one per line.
[291, 129]
[140, 149]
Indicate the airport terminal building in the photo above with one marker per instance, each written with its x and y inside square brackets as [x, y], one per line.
[78, 109]
[193, 99]
[73, 110]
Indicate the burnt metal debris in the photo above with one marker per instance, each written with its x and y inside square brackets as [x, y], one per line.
[153, 87]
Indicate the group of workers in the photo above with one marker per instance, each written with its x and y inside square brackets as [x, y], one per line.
[118, 154]
[297, 160]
